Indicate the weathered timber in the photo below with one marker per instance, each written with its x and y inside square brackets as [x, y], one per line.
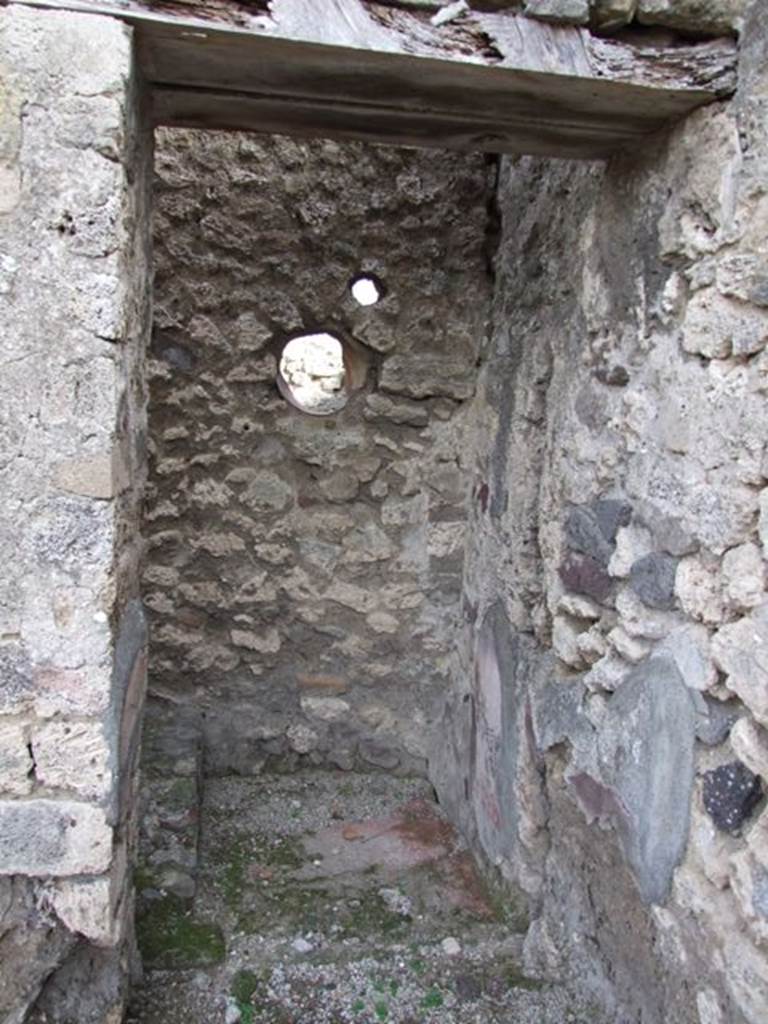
[346, 69]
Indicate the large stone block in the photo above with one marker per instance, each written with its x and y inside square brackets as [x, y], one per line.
[90, 476]
[750, 744]
[73, 756]
[609, 15]
[568, 12]
[52, 837]
[87, 906]
[643, 778]
[705, 17]
[689, 648]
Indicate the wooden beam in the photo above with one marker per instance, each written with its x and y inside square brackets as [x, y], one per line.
[352, 70]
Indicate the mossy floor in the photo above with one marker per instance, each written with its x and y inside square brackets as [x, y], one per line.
[330, 899]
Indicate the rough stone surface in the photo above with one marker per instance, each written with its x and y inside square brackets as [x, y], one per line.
[502, 501]
[568, 12]
[649, 794]
[689, 17]
[739, 650]
[610, 15]
[750, 744]
[706, 17]
[53, 837]
[714, 720]
[74, 302]
[284, 547]
[652, 578]
[653, 265]
[33, 944]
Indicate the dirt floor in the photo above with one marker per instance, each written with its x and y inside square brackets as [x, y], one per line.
[332, 899]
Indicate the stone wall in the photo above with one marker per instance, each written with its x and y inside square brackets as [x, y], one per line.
[608, 719]
[303, 571]
[689, 17]
[74, 157]
[604, 740]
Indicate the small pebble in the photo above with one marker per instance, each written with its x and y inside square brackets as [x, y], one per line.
[451, 946]
[302, 946]
[232, 1014]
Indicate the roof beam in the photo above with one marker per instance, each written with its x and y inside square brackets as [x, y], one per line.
[354, 70]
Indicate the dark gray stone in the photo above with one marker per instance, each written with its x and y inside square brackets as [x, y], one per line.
[32, 945]
[652, 578]
[90, 984]
[611, 514]
[177, 356]
[731, 792]
[558, 715]
[591, 529]
[583, 534]
[614, 375]
[714, 720]
[379, 754]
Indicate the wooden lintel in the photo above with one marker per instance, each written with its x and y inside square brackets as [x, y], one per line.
[353, 70]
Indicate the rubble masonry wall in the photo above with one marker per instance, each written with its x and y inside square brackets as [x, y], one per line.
[608, 746]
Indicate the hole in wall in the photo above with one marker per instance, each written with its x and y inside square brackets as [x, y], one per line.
[272, 590]
[366, 289]
[312, 375]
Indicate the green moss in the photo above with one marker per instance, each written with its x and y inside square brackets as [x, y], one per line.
[433, 1000]
[231, 860]
[144, 878]
[515, 979]
[381, 1010]
[169, 937]
[244, 984]
[372, 917]
[182, 794]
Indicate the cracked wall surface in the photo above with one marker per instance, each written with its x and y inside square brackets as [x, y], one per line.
[609, 716]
